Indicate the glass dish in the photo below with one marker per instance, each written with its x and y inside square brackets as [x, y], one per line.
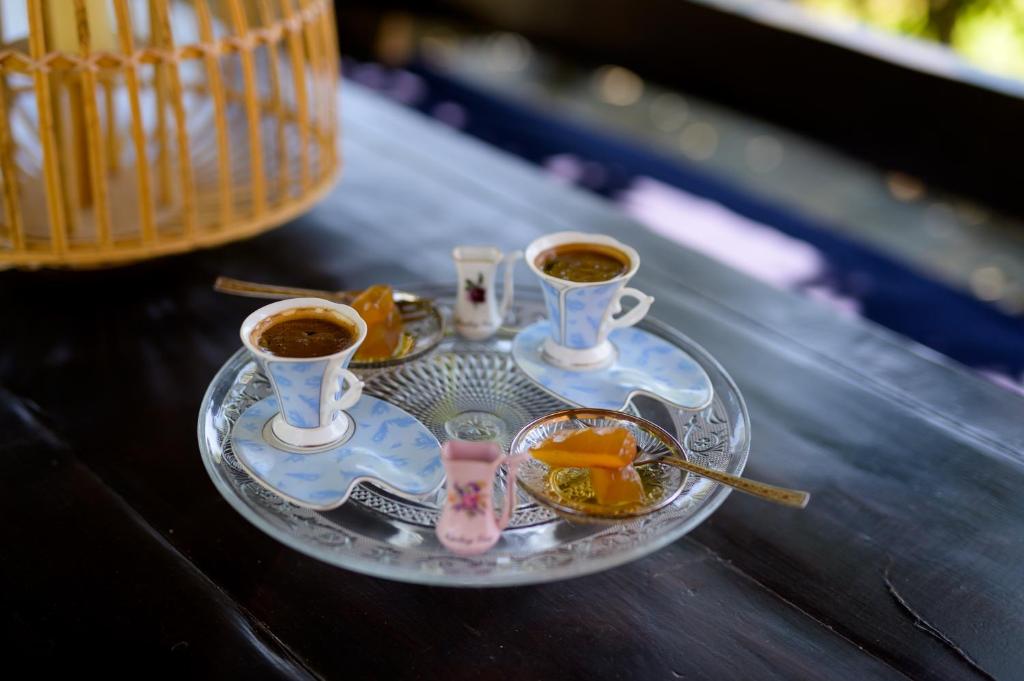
[473, 389]
[568, 490]
[424, 330]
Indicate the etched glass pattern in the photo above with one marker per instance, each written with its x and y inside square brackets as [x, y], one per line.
[475, 386]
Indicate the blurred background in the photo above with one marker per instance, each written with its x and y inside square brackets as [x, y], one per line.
[863, 153]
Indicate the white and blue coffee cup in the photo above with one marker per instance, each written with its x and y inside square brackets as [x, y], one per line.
[313, 392]
[582, 314]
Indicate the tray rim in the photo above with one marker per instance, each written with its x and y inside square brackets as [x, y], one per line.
[709, 505]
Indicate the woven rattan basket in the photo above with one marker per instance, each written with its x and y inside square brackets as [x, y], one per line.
[136, 128]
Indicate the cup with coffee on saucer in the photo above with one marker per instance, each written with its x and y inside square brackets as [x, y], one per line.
[318, 435]
[585, 352]
[584, 278]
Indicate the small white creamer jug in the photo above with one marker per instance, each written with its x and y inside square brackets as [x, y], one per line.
[478, 312]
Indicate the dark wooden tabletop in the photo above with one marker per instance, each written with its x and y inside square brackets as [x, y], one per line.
[118, 551]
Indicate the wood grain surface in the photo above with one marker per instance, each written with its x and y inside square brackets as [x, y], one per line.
[909, 562]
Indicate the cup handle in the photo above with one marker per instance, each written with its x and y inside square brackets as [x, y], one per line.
[348, 397]
[643, 304]
[510, 501]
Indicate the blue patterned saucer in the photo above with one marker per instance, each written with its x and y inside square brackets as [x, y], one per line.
[388, 447]
[646, 365]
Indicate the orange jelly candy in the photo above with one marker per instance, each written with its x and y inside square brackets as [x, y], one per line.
[588, 448]
[617, 485]
[376, 305]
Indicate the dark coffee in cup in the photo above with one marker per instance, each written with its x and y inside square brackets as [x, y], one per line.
[583, 262]
[304, 333]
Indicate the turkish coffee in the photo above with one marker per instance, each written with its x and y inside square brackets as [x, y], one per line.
[304, 333]
[583, 262]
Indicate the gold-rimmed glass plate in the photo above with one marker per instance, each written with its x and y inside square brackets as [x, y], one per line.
[423, 330]
[568, 491]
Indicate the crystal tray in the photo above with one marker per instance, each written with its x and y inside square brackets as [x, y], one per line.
[473, 390]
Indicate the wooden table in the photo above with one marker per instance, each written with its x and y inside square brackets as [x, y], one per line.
[118, 551]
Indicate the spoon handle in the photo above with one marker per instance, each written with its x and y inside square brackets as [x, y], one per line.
[255, 290]
[779, 495]
[412, 308]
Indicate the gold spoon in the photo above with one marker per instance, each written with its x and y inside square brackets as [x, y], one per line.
[794, 498]
[412, 307]
[254, 289]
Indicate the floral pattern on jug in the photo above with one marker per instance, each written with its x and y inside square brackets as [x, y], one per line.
[469, 498]
[476, 292]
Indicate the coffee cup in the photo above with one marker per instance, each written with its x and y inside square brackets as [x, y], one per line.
[582, 313]
[312, 390]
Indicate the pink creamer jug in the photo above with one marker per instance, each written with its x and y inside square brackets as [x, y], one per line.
[468, 524]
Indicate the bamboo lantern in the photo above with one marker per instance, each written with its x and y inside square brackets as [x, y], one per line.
[136, 128]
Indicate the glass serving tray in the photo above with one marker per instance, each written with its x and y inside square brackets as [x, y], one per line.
[473, 390]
